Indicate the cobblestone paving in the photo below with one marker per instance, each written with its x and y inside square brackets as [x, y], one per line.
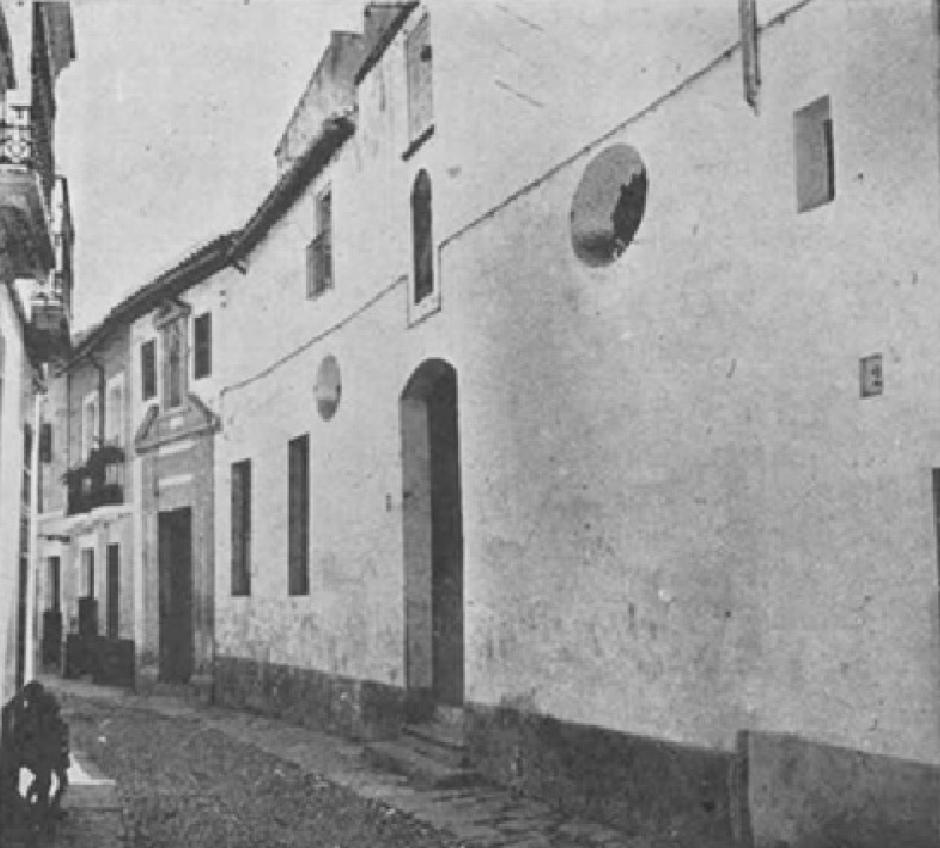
[191, 777]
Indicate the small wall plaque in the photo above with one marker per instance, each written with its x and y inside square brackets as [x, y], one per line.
[871, 375]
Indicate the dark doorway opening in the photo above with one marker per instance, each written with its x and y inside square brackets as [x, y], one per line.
[52, 616]
[113, 591]
[433, 533]
[176, 626]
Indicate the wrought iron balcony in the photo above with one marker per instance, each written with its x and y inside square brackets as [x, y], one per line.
[16, 144]
[99, 482]
[26, 179]
[48, 327]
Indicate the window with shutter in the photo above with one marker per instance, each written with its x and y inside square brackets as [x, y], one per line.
[241, 527]
[298, 515]
[148, 370]
[320, 249]
[202, 332]
[421, 236]
[815, 155]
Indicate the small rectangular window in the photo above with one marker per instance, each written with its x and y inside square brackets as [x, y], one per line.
[241, 527]
[418, 61]
[148, 370]
[202, 331]
[298, 515]
[815, 155]
[871, 375]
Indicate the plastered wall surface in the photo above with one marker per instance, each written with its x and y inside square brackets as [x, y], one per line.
[680, 518]
[689, 521]
[15, 384]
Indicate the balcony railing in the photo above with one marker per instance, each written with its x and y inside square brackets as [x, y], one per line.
[16, 144]
[319, 265]
[49, 326]
[99, 482]
[25, 143]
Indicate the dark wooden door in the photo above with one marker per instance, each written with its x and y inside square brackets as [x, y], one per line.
[446, 544]
[114, 589]
[176, 627]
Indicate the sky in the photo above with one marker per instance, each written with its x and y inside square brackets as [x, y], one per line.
[167, 123]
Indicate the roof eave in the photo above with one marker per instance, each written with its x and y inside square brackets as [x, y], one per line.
[287, 189]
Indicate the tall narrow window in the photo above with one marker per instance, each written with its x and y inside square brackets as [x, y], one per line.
[89, 432]
[750, 50]
[298, 515]
[418, 60]
[815, 155]
[53, 585]
[88, 572]
[114, 413]
[421, 236]
[320, 250]
[241, 527]
[113, 601]
[202, 339]
[174, 365]
[148, 370]
[45, 442]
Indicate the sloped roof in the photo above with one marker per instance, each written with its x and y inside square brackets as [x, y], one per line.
[292, 183]
[388, 18]
[201, 263]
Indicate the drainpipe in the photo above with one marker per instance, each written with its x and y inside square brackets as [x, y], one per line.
[32, 574]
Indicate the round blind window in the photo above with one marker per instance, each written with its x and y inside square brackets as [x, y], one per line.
[608, 205]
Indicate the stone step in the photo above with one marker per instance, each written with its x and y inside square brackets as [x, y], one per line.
[450, 716]
[434, 731]
[437, 742]
[197, 690]
[423, 770]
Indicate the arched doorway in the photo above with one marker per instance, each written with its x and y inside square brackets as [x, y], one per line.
[433, 533]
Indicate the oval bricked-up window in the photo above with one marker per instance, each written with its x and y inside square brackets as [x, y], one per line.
[608, 205]
[329, 387]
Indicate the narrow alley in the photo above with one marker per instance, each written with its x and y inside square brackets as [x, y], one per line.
[491, 424]
[194, 776]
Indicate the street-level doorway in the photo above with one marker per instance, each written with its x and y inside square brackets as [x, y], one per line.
[176, 580]
[433, 533]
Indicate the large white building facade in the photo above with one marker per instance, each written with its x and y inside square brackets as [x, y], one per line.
[590, 391]
[581, 389]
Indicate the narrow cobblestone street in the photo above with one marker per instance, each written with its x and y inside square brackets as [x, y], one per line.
[197, 776]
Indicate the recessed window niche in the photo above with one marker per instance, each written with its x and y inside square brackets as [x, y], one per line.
[328, 388]
[608, 205]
